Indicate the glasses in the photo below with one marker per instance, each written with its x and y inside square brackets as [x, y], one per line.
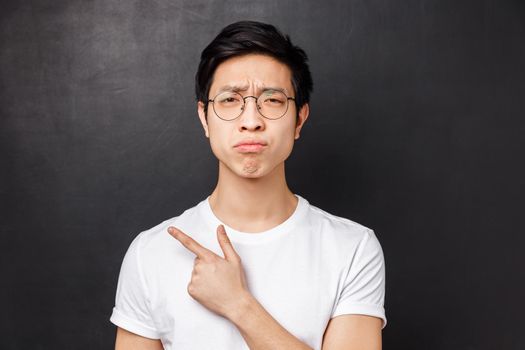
[271, 104]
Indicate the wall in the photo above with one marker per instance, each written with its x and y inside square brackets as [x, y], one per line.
[416, 131]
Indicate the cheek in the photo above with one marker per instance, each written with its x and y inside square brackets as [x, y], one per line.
[219, 138]
[215, 143]
[285, 140]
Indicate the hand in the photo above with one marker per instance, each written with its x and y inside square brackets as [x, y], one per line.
[217, 283]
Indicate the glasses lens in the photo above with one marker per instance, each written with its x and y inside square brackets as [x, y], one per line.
[228, 105]
[273, 104]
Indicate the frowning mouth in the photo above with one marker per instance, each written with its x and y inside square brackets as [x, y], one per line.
[250, 148]
[250, 142]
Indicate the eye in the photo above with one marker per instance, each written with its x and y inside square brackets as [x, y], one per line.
[275, 101]
[273, 98]
[229, 99]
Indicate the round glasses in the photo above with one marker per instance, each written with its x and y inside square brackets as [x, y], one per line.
[271, 104]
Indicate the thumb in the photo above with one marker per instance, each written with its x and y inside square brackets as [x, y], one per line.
[226, 245]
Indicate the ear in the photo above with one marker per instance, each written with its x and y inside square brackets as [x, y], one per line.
[202, 117]
[302, 116]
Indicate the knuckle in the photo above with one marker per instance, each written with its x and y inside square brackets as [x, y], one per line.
[211, 258]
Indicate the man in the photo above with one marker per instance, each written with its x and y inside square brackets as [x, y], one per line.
[253, 265]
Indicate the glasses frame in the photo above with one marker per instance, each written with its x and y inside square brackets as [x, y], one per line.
[256, 104]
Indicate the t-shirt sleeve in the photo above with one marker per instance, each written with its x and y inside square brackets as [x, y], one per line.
[363, 282]
[131, 310]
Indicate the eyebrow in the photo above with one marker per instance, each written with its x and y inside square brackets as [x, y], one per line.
[237, 88]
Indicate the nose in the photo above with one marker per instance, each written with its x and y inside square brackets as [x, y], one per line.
[250, 118]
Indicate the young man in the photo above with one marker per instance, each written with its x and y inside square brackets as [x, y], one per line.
[253, 265]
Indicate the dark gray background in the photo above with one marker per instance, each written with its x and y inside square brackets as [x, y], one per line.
[416, 130]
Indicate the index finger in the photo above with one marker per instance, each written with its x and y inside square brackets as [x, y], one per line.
[190, 243]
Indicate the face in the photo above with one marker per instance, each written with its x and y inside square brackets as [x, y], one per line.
[249, 75]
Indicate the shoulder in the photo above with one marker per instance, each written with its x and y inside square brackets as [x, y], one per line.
[341, 227]
[340, 235]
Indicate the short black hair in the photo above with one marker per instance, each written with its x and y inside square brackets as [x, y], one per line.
[251, 37]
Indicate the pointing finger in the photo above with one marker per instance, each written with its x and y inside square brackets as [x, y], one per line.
[191, 244]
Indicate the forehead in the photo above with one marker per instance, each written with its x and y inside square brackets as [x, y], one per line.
[252, 73]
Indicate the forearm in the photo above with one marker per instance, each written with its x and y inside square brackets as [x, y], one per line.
[260, 330]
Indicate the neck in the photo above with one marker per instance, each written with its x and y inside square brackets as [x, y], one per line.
[252, 204]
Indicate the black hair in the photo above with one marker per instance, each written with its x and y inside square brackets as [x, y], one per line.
[250, 37]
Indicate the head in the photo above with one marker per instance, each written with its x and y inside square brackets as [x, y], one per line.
[249, 37]
[251, 59]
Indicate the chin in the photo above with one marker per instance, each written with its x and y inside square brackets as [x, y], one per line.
[251, 170]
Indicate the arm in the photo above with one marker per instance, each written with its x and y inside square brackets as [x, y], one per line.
[260, 330]
[358, 317]
[348, 332]
[345, 332]
[131, 341]
[131, 313]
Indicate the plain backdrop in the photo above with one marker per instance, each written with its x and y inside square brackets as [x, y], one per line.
[416, 131]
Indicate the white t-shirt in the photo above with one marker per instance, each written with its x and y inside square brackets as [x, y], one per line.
[305, 271]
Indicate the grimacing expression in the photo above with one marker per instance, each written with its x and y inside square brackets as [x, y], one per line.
[252, 146]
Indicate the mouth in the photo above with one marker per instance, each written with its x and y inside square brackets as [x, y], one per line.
[249, 147]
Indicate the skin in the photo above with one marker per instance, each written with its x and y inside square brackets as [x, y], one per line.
[252, 196]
